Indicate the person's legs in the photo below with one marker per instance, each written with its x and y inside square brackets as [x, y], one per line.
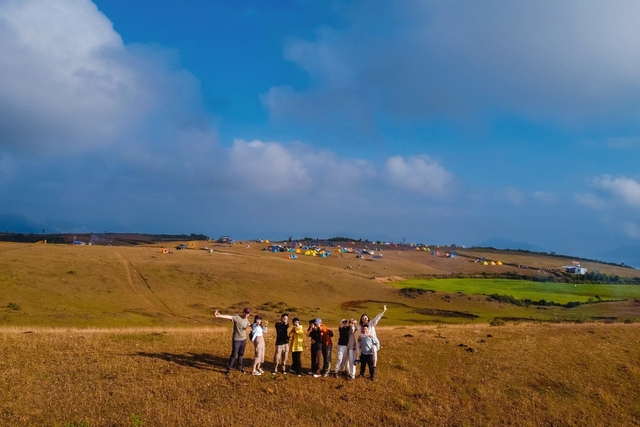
[241, 347]
[363, 363]
[234, 355]
[297, 364]
[285, 357]
[259, 354]
[341, 358]
[326, 359]
[374, 356]
[351, 365]
[276, 359]
[318, 357]
[372, 368]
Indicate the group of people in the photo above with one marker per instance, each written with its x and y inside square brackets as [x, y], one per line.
[357, 344]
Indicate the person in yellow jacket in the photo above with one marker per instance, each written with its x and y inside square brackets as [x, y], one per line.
[297, 342]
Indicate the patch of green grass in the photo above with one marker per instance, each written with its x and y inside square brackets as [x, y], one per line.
[561, 293]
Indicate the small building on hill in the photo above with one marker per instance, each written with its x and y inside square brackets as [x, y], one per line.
[574, 269]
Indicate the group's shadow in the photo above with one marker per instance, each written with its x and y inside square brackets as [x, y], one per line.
[192, 360]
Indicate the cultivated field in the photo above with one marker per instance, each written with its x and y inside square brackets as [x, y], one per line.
[475, 375]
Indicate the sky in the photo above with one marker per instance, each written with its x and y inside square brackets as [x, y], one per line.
[434, 121]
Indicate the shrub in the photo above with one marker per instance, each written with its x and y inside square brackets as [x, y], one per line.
[13, 306]
[497, 322]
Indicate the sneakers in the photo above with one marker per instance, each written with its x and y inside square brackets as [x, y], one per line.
[256, 373]
[260, 370]
[228, 372]
[274, 373]
[316, 375]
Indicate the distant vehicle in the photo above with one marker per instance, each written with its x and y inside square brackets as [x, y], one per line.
[182, 246]
[224, 239]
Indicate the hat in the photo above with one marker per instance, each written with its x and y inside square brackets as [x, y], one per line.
[247, 310]
[343, 321]
[317, 321]
[258, 316]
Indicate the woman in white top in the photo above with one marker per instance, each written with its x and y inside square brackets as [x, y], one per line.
[257, 337]
[371, 323]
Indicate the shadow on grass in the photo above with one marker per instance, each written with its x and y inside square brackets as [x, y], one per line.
[191, 360]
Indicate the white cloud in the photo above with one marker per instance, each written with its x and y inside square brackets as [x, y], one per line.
[268, 166]
[69, 84]
[631, 229]
[545, 197]
[420, 174]
[576, 60]
[590, 200]
[623, 188]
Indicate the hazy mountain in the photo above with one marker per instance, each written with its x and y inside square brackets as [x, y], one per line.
[18, 224]
[500, 243]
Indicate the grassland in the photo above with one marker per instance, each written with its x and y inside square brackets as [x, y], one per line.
[561, 293]
[524, 375]
[102, 286]
[119, 336]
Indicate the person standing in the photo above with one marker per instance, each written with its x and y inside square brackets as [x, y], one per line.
[239, 339]
[352, 348]
[343, 341]
[367, 342]
[327, 346]
[316, 346]
[257, 337]
[282, 343]
[297, 343]
[371, 323]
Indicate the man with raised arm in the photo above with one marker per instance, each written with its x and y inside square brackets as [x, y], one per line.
[239, 340]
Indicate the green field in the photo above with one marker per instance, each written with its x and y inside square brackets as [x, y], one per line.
[561, 293]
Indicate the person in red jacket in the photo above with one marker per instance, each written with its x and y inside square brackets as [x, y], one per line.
[327, 346]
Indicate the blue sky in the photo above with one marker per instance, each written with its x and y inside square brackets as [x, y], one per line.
[436, 121]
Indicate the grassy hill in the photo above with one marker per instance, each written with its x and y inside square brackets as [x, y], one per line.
[94, 336]
[105, 286]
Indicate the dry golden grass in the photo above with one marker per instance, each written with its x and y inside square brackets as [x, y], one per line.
[101, 286]
[524, 375]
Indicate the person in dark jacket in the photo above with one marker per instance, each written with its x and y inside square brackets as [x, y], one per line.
[343, 341]
[282, 344]
[315, 334]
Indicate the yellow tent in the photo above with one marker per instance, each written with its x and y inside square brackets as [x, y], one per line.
[417, 248]
[485, 263]
[266, 240]
[493, 263]
[499, 262]
[298, 251]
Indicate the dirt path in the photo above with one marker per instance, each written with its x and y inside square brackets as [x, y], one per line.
[142, 291]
